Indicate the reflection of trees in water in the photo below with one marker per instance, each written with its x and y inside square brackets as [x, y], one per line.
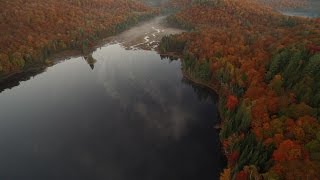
[203, 93]
[168, 57]
[90, 60]
[15, 80]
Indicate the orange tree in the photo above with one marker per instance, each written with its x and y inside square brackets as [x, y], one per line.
[30, 31]
[266, 66]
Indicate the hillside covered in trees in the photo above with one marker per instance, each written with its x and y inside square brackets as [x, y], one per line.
[32, 30]
[265, 66]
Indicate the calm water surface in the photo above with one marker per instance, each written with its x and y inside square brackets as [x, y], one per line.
[124, 114]
[128, 116]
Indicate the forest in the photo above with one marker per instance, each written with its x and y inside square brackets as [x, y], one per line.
[31, 30]
[265, 66]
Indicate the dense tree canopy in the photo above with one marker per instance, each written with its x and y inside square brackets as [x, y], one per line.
[31, 30]
[267, 67]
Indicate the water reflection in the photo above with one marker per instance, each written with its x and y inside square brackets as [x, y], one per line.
[168, 57]
[126, 116]
[90, 60]
[16, 79]
[203, 93]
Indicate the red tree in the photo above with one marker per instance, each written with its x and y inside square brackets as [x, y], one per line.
[232, 102]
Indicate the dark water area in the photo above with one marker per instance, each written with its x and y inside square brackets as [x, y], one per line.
[120, 115]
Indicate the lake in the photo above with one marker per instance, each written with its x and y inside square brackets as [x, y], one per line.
[120, 113]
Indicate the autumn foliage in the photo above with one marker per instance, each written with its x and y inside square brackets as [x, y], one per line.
[232, 102]
[267, 66]
[288, 150]
[32, 30]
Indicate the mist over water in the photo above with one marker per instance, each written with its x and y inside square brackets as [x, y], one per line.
[121, 112]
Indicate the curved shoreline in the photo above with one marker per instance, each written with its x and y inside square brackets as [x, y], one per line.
[61, 55]
[69, 52]
[215, 87]
[14, 78]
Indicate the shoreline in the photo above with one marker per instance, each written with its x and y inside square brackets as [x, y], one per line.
[215, 87]
[62, 55]
[72, 53]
